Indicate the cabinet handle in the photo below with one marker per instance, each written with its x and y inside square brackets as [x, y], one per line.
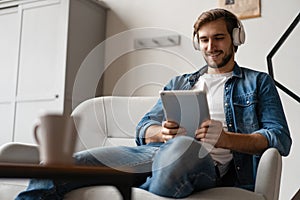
[37, 98]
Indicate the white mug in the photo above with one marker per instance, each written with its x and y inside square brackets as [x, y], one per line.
[56, 136]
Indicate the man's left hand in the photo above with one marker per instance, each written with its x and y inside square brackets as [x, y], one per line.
[210, 132]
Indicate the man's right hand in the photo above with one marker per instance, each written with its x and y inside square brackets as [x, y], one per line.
[170, 130]
[163, 133]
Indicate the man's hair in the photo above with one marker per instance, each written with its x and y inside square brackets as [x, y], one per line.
[212, 15]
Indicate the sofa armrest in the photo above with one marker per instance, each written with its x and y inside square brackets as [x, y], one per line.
[19, 153]
[269, 174]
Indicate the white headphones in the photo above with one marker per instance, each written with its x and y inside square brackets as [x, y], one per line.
[238, 36]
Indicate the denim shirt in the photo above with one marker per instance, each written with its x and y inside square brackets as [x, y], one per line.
[251, 105]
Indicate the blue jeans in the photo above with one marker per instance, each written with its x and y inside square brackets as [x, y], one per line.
[175, 169]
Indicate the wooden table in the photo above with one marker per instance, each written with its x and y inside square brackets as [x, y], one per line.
[123, 181]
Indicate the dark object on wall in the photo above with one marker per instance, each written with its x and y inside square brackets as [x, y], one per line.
[274, 50]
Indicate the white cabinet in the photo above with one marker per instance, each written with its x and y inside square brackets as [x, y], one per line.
[9, 18]
[42, 47]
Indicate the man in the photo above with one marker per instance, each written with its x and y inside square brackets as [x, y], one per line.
[246, 118]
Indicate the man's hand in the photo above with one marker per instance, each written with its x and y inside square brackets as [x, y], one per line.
[163, 133]
[170, 130]
[210, 132]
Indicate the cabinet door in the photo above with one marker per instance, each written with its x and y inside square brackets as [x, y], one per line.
[7, 120]
[42, 67]
[27, 116]
[43, 49]
[9, 40]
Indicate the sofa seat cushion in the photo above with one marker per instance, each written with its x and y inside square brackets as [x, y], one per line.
[10, 188]
[111, 193]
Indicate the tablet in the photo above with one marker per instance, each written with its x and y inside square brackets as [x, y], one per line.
[188, 108]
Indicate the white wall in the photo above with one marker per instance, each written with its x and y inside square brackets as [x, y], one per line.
[143, 72]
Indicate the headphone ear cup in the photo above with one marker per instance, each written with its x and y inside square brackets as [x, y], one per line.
[238, 35]
[242, 34]
[196, 43]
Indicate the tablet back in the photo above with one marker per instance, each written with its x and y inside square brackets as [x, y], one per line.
[188, 108]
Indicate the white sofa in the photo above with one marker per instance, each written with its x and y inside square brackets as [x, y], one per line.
[107, 121]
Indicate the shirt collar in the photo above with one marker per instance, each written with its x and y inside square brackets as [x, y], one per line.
[193, 78]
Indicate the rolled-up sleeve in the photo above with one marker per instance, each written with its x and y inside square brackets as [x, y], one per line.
[281, 141]
[154, 117]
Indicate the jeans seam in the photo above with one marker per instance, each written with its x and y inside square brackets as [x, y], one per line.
[144, 162]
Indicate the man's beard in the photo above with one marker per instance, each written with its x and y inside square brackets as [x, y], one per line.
[223, 63]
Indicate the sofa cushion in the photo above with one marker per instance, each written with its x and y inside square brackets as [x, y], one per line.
[124, 113]
[111, 193]
[106, 120]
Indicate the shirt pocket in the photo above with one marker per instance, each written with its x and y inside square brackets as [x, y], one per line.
[245, 107]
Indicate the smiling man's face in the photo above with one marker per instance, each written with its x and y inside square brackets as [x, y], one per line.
[216, 45]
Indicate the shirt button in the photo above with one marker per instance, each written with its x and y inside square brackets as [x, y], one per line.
[238, 168]
[230, 125]
[248, 102]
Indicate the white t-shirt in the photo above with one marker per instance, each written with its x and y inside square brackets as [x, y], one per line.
[213, 85]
